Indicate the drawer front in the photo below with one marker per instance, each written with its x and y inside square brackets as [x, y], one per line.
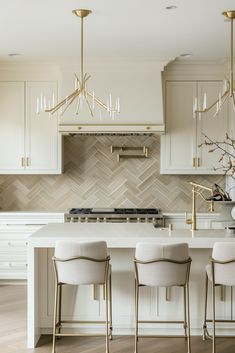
[13, 245]
[13, 257]
[13, 270]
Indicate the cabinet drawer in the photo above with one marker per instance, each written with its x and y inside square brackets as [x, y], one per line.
[13, 245]
[15, 257]
[13, 270]
[6, 266]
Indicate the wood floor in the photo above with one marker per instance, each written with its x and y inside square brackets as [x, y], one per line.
[13, 334]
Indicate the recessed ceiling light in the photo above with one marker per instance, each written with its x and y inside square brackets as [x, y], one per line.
[186, 55]
[14, 54]
[171, 7]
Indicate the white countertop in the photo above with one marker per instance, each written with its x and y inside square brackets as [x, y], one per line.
[125, 235]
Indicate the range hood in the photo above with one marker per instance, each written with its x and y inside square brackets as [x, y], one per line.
[139, 86]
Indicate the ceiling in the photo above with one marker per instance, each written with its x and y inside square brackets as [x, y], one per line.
[47, 29]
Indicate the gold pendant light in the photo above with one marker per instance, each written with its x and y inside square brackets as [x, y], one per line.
[228, 86]
[81, 95]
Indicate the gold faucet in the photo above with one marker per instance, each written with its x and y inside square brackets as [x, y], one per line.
[196, 190]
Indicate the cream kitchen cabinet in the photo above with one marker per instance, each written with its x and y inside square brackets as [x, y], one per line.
[180, 153]
[29, 143]
[15, 228]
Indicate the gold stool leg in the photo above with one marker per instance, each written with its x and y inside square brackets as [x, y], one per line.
[107, 316]
[55, 317]
[213, 317]
[136, 315]
[110, 307]
[60, 305]
[188, 318]
[205, 310]
[185, 313]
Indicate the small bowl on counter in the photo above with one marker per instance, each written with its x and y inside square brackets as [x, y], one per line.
[230, 230]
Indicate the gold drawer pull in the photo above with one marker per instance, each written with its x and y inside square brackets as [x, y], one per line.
[22, 162]
[198, 162]
[194, 162]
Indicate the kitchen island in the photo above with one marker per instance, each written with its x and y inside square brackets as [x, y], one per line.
[121, 239]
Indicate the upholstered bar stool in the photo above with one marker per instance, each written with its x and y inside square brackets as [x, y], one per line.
[162, 265]
[220, 272]
[77, 263]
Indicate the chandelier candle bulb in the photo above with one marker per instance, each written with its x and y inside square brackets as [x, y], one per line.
[44, 103]
[93, 100]
[225, 86]
[38, 106]
[220, 101]
[195, 105]
[204, 101]
[110, 102]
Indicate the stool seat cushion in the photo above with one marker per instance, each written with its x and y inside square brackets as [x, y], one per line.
[162, 273]
[81, 271]
[224, 273]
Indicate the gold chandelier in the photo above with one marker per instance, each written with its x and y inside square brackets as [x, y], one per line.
[228, 85]
[81, 95]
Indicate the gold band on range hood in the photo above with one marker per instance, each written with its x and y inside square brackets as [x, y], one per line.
[101, 129]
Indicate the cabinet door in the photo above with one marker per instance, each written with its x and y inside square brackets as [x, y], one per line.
[43, 147]
[11, 127]
[214, 127]
[178, 145]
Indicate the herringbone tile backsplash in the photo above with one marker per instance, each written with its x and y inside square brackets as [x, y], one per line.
[93, 178]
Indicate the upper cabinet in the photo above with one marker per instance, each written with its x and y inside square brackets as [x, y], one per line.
[180, 151]
[29, 143]
[11, 126]
[42, 141]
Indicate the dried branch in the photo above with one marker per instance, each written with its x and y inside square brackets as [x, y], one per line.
[227, 156]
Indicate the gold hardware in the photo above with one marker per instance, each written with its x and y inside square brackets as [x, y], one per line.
[168, 294]
[198, 162]
[79, 128]
[128, 148]
[222, 293]
[95, 296]
[196, 191]
[194, 162]
[81, 12]
[125, 148]
[229, 14]
[27, 162]
[128, 156]
[148, 127]
[22, 162]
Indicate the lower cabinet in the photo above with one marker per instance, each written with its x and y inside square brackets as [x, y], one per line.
[14, 232]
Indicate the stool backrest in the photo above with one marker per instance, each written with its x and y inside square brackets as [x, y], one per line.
[162, 264]
[224, 272]
[81, 263]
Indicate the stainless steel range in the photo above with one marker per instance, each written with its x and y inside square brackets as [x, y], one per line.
[115, 215]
